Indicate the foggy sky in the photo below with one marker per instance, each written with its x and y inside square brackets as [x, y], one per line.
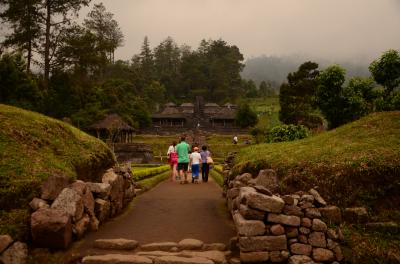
[332, 29]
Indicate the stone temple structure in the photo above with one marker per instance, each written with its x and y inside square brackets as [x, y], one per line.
[205, 116]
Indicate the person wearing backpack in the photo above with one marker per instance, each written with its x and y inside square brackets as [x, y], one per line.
[205, 163]
[173, 161]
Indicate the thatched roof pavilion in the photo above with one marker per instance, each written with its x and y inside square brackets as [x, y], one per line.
[114, 128]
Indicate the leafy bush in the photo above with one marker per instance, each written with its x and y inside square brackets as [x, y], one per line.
[287, 133]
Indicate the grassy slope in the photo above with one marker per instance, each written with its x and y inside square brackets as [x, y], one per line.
[33, 147]
[358, 163]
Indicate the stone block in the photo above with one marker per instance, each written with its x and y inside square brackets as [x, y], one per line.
[87, 197]
[81, 226]
[277, 230]
[163, 246]
[100, 190]
[322, 254]
[299, 259]
[268, 179]
[17, 253]
[117, 190]
[304, 230]
[190, 244]
[254, 257]
[301, 249]
[331, 214]
[70, 202]
[318, 225]
[116, 258]
[248, 227]
[293, 210]
[215, 246]
[51, 228]
[317, 239]
[279, 256]
[37, 204]
[217, 257]
[272, 204]
[317, 197]
[5, 242]
[102, 209]
[263, 243]
[306, 222]
[181, 260]
[233, 193]
[250, 213]
[263, 190]
[289, 220]
[116, 244]
[244, 178]
[312, 213]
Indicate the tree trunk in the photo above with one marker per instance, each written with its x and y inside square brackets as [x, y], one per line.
[47, 45]
[29, 58]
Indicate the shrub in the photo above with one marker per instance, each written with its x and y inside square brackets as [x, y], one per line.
[287, 133]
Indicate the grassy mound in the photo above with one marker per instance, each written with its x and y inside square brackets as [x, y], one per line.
[356, 164]
[33, 147]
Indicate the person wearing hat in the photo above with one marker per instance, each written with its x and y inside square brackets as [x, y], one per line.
[195, 160]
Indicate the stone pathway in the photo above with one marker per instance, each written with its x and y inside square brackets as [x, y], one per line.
[170, 212]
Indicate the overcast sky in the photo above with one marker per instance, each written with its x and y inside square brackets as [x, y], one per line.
[331, 29]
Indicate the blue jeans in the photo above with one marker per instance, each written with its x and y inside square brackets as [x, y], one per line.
[195, 170]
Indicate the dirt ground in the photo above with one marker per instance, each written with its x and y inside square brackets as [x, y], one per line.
[171, 212]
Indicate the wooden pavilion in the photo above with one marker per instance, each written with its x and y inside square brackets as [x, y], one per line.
[113, 128]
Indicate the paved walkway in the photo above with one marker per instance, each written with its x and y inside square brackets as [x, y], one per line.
[171, 212]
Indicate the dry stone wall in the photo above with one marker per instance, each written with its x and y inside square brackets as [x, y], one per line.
[66, 211]
[275, 228]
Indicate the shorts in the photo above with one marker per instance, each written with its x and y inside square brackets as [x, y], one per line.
[183, 166]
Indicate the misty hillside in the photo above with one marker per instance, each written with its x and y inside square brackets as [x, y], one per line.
[275, 69]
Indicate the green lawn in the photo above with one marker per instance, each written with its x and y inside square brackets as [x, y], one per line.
[355, 163]
[33, 147]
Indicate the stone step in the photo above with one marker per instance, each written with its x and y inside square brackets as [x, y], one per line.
[116, 244]
[156, 258]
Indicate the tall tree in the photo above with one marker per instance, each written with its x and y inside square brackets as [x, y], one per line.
[101, 23]
[23, 16]
[330, 94]
[57, 15]
[296, 96]
[146, 58]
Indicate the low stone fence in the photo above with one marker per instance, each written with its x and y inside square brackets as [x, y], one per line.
[276, 228]
[66, 211]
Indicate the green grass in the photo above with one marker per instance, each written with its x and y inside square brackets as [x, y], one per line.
[141, 174]
[159, 144]
[267, 110]
[33, 147]
[221, 145]
[366, 247]
[151, 182]
[218, 177]
[358, 163]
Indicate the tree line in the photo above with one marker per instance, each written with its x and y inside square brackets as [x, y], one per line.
[79, 78]
[310, 95]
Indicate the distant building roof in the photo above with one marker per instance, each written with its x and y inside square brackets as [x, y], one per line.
[112, 121]
[224, 113]
[211, 105]
[229, 105]
[170, 104]
[187, 105]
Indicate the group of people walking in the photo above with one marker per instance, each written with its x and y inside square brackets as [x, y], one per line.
[183, 159]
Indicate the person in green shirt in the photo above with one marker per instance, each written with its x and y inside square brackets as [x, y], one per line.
[183, 158]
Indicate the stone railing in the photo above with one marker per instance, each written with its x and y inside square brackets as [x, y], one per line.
[281, 228]
[66, 211]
